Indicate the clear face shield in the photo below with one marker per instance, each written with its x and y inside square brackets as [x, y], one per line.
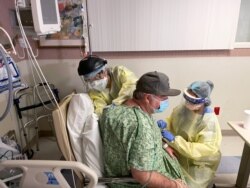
[85, 87]
[95, 80]
[191, 102]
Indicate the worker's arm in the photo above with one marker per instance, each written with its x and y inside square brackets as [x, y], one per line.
[155, 179]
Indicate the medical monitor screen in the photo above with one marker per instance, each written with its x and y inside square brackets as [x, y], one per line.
[48, 12]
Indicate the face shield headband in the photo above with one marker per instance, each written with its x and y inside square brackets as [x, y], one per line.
[192, 99]
[93, 74]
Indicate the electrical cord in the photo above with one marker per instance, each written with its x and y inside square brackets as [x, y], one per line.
[39, 72]
[32, 58]
[10, 85]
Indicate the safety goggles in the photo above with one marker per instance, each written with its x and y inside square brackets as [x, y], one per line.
[191, 99]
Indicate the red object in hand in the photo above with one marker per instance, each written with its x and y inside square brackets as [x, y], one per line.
[217, 110]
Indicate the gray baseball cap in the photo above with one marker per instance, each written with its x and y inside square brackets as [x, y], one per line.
[156, 83]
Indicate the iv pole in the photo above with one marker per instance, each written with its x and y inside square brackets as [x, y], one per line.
[88, 28]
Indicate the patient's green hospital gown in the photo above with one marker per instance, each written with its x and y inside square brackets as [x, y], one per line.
[131, 138]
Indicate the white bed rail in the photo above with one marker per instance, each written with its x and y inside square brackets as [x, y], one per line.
[47, 174]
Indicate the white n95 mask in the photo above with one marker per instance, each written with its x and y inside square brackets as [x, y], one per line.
[98, 85]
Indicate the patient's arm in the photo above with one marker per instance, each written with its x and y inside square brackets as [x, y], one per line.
[155, 179]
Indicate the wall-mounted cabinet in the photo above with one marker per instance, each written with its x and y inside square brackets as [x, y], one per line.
[162, 25]
[243, 30]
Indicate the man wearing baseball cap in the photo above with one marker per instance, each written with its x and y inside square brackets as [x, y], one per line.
[132, 140]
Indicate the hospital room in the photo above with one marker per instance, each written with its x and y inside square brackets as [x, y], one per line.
[115, 93]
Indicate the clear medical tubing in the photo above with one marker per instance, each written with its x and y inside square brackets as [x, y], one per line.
[10, 86]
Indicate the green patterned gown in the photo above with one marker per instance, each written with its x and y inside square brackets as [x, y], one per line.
[131, 138]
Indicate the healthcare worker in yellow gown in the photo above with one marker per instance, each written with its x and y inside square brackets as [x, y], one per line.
[193, 135]
[106, 85]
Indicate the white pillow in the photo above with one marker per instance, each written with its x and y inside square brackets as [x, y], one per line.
[82, 124]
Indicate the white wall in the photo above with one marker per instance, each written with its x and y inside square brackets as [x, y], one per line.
[231, 77]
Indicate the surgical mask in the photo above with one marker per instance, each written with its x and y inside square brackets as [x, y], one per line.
[163, 106]
[193, 107]
[98, 85]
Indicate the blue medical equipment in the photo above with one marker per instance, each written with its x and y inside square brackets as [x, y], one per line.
[165, 134]
[192, 99]
[14, 74]
[9, 85]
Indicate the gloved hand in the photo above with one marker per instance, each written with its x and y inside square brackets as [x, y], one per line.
[162, 124]
[167, 135]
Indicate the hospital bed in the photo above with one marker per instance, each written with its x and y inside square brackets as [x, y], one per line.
[44, 173]
[87, 166]
[77, 133]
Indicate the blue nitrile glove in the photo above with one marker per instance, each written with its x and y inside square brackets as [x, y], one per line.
[167, 135]
[208, 110]
[162, 124]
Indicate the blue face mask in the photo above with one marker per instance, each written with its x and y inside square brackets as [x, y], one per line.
[163, 106]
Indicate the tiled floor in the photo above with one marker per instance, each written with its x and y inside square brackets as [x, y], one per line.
[231, 146]
[48, 149]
